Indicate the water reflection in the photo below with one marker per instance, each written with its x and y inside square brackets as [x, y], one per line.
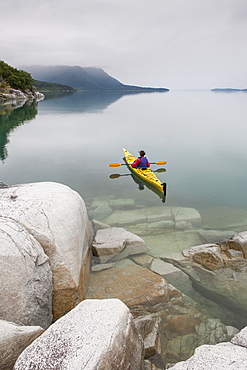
[84, 101]
[57, 94]
[12, 117]
[142, 184]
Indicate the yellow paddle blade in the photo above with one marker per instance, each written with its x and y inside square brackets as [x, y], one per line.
[114, 164]
[161, 162]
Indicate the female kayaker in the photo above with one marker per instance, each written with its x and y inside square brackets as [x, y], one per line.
[141, 161]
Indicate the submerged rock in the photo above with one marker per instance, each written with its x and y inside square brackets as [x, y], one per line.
[101, 212]
[139, 288]
[171, 242]
[224, 218]
[142, 259]
[218, 270]
[122, 204]
[102, 266]
[155, 214]
[216, 236]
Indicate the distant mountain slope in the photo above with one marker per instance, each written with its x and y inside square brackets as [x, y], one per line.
[227, 89]
[43, 86]
[89, 78]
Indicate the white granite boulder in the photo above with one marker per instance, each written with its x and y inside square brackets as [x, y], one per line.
[241, 241]
[240, 339]
[96, 335]
[222, 356]
[13, 340]
[116, 243]
[56, 217]
[25, 277]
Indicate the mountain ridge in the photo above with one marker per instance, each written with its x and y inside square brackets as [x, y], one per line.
[227, 89]
[83, 78]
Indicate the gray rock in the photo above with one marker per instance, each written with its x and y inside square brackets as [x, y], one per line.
[231, 332]
[149, 328]
[25, 276]
[96, 335]
[149, 366]
[116, 243]
[173, 275]
[102, 266]
[212, 331]
[142, 259]
[13, 340]
[124, 263]
[56, 217]
[241, 240]
[221, 356]
[240, 339]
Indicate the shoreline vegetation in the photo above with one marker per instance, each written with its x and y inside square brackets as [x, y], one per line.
[17, 85]
[43, 86]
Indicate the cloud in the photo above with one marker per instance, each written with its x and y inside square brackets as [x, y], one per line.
[187, 44]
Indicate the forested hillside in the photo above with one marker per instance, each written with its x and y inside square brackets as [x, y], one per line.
[49, 86]
[17, 79]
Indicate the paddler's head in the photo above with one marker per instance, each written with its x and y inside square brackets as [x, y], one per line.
[142, 153]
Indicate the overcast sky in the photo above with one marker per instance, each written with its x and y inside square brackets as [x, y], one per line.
[162, 43]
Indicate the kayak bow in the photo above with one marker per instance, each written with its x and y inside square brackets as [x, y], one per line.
[146, 176]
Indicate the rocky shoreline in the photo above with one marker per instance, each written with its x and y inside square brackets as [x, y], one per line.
[11, 95]
[120, 291]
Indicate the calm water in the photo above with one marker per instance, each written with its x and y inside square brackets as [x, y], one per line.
[72, 139]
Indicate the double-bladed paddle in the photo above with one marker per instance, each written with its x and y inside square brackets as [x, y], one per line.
[126, 164]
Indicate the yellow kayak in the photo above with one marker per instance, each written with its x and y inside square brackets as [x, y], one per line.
[147, 176]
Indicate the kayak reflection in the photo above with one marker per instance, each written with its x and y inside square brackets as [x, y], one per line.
[142, 184]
